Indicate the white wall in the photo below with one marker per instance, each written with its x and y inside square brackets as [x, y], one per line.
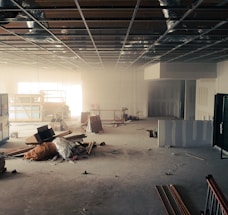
[58, 78]
[205, 92]
[107, 89]
[114, 90]
[11, 75]
[185, 133]
[222, 77]
[180, 71]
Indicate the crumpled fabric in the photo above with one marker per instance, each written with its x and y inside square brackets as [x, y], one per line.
[41, 152]
[64, 147]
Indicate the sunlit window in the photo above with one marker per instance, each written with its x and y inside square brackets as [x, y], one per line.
[71, 94]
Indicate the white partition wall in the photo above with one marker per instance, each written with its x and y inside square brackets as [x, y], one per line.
[184, 133]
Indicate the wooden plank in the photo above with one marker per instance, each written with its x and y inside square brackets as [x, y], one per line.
[33, 139]
[15, 151]
[95, 124]
[90, 146]
[62, 134]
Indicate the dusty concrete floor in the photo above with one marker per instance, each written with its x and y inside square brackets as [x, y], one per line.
[120, 180]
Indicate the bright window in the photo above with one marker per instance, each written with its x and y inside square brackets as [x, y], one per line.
[72, 93]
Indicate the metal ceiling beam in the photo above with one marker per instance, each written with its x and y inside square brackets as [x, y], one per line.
[116, 8]
[129, 29]
[142, 37]
[189, 41]
[223, 57]
[188, 12]
[42, 26]
[88, 30]
[24, 39]
[209, 53]
[194, 38]
[113, 19]
[15, 54]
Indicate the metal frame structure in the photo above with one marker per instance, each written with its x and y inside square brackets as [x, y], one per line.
[115, 33]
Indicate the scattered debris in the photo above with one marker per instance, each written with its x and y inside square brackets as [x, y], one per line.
[90, 146]
[2, 164]
[41, 152]
[44, 134]
[94, 124]
[84, 117]
[194, 156]
[45, 144]
[63, 147]
[17, 151]
[14, 171]
[55, 157]
[74, 158]
[153, 133]
[130, 117]
[85, 210]
[169, 172]
[102, 144]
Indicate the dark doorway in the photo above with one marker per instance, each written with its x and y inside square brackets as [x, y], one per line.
[166, 98]
[220, 123]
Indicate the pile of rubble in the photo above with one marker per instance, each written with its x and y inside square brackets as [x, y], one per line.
[45, 144]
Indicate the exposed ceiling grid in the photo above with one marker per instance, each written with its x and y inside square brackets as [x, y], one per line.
[105, 33]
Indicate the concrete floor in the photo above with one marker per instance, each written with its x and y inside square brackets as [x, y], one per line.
[120, 180]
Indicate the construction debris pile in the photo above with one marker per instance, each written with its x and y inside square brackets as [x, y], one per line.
[45, 144]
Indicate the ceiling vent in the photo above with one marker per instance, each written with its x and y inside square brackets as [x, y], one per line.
[5, 15]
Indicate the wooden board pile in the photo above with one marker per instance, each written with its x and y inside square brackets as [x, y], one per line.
[45, 144]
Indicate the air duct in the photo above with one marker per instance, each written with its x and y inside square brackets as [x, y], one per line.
[38, 14]
[5, 15]
[169, 14]
[37, 30]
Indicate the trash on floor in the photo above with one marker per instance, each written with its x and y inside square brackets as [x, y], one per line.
[66, 145]
[153, 133]
[41, 152]
[44, 134]
[194, 156]
[45, 145]
[2, 164]
[94, 124]
[19, 151]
